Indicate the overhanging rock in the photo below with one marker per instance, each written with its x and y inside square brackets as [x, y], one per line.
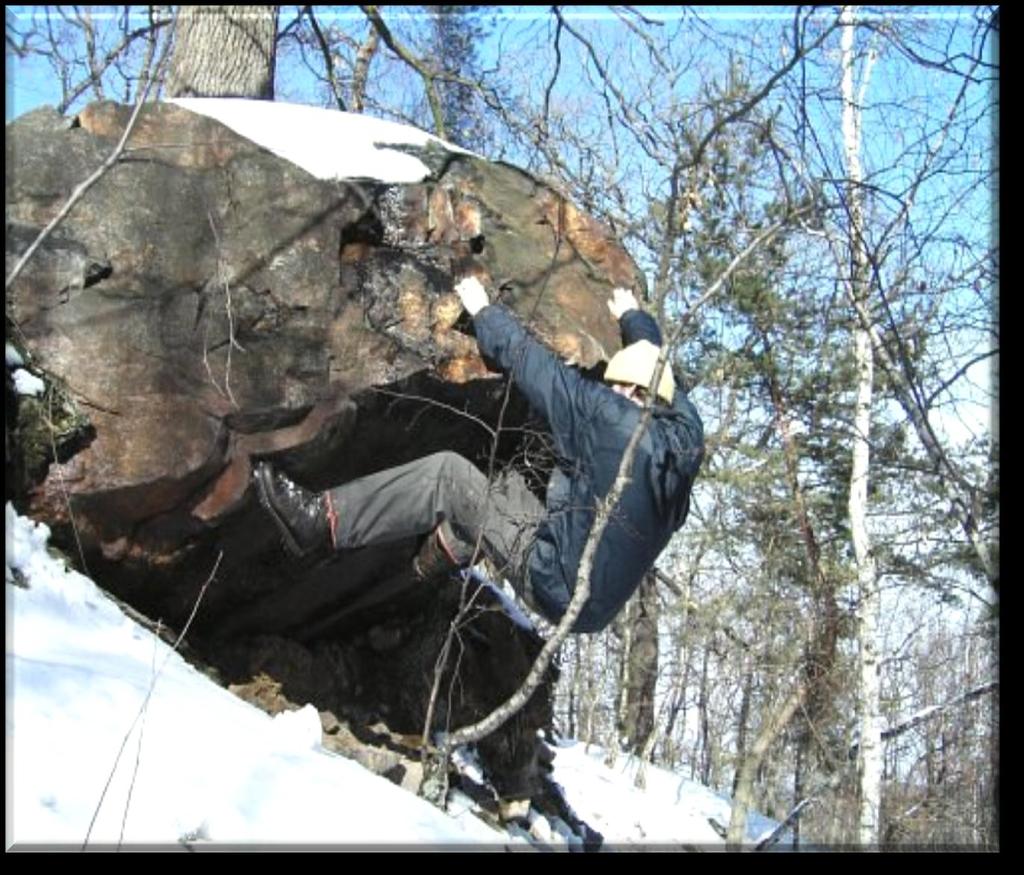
[208, 301]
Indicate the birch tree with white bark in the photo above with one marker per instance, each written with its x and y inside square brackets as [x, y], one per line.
[867, 579]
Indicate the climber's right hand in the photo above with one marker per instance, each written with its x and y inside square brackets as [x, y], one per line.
[622, 300]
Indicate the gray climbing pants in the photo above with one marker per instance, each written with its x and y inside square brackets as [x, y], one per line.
[416, 498]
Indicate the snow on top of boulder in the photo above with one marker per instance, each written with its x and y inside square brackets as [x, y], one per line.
[326, 143]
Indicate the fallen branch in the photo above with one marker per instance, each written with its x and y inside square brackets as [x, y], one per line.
[776, 833]
[929, 714]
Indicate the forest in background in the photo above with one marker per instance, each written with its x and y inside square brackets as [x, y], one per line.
[813, 198]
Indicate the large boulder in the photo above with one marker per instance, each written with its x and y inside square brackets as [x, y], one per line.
[209, 302]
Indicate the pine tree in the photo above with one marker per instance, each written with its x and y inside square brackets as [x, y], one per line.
[456, 33]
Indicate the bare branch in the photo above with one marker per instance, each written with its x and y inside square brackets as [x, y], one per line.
[930, 714]
[84, 187]
[426, 74]
[799, 54]
[603, 515]
[99, 67]
[554, 75]
[325, 49]
[362, 69]
[961, 371]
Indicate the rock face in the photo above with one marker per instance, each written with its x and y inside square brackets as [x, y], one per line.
[208, 303]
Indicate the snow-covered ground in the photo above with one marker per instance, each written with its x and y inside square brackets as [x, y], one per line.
[113, 738]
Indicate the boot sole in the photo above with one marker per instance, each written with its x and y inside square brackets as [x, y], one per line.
[263, 494]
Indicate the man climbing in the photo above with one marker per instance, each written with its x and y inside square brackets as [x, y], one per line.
[536, 547]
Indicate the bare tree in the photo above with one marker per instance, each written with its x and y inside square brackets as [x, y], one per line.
[869, 603]
[94, 53]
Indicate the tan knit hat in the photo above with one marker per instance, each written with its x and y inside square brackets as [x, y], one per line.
[636, 364]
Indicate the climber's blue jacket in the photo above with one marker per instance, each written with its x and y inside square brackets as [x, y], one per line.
[591, 426]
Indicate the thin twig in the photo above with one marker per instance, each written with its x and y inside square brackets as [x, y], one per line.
[138, 747]
[82, 189]
[149, 693]
[223, 279]
[403, 396]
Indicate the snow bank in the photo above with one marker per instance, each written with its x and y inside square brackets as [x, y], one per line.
[93, 698]
[671, 811]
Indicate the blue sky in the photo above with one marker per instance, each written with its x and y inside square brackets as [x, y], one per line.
[31, 82]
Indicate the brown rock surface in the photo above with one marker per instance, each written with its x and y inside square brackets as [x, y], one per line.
[208, 301]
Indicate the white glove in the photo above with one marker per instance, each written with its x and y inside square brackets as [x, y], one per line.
[472, 294]
[621, 301]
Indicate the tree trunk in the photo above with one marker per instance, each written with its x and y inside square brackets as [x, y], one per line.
[702, 710]
[993, 832]
[646, 756]
[798, 790]
[744, 797]
[590, 705]
[224, 51]
[642, 661]
[741, 732]
[574, 686]
[868, 607]
[677, 705]
[681, 674]
[618, 728]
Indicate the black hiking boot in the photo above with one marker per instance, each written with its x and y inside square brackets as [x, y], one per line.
[300, 515]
